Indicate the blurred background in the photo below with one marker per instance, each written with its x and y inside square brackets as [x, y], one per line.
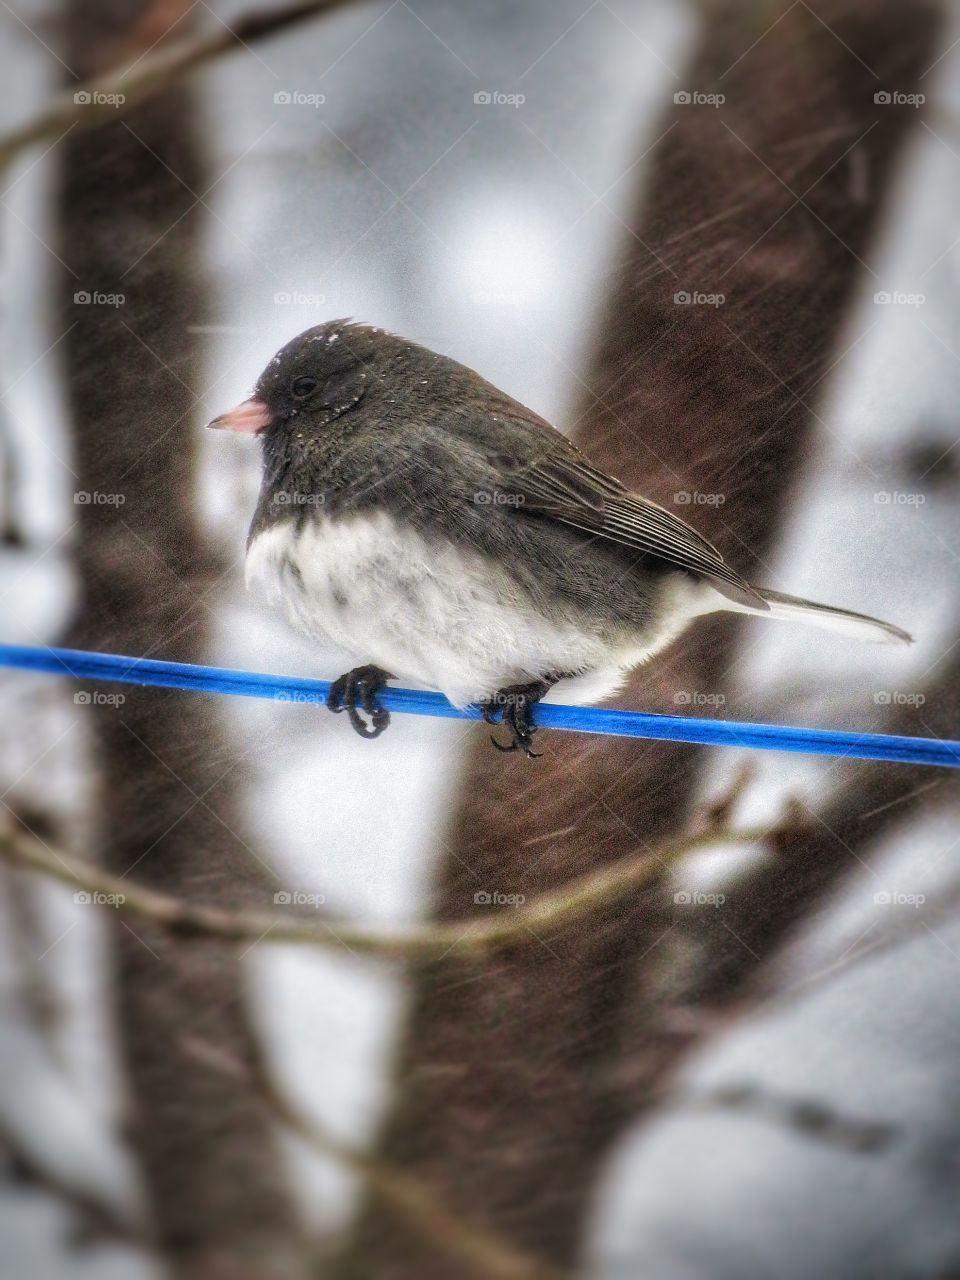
[716, 243]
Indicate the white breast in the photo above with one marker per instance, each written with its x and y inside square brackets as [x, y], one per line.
[433, 613]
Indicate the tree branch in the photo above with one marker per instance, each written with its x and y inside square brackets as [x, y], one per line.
[399, 1191]
[96, 1218]
[511, 927]
[814, 1120]
[108, 98]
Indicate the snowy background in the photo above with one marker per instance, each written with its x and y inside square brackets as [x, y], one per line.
[490, 233]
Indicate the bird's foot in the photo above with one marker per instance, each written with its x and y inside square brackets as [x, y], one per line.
[513, 706]
[357, 691]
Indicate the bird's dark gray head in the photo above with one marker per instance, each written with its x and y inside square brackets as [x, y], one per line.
[317, 377]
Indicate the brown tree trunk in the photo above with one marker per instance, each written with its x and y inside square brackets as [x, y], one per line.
[130, 224]
[506, 1079]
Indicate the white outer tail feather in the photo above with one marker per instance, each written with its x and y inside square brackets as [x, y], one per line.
[857, 626]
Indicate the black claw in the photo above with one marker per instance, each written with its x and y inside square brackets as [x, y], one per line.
[360, 687]
[514, 705]
[338, 691]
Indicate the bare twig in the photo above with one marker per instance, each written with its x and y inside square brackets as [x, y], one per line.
[42, 1007]
[716, 812]
[554, 909]
[409, 1196]
[108, 98]
[96, 1217]
[815, 1120]
[418, 1204]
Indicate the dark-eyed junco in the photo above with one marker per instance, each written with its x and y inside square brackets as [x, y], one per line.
[445, 534]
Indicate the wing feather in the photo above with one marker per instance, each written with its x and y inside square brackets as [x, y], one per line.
[565, 487]
[519, 452]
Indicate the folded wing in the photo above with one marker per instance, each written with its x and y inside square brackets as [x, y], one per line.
[526, 456]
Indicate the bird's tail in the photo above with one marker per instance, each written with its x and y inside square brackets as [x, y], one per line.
[792, 609]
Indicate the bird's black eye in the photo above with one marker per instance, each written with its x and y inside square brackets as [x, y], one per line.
[303, 387]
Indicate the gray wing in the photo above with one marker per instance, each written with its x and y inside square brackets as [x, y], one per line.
[527, 457]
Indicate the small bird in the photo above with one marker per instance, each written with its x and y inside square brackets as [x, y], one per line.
[445, 534]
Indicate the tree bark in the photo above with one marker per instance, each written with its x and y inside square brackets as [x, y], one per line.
[508, 1076]
[130, 224]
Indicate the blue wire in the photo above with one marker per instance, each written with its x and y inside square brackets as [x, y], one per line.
[628, 724]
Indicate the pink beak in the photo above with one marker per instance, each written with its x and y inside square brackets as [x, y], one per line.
[250, 417]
